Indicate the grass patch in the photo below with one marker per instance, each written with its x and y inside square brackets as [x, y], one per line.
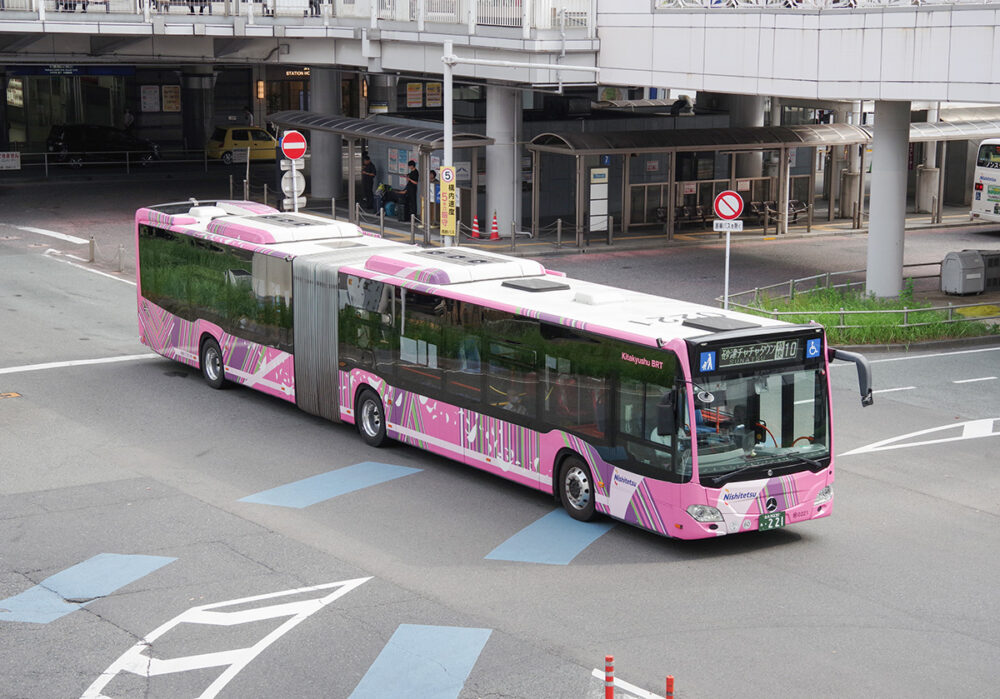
[872, 328]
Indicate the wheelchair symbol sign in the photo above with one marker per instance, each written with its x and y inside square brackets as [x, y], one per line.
[813, 348]
[707, 361]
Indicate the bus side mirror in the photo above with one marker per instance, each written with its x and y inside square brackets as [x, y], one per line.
[864, 372]
[666, 414]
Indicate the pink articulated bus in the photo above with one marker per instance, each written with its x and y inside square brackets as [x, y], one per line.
[682, 419]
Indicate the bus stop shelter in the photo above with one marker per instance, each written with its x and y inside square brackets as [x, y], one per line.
[632, 144]
[352, 130]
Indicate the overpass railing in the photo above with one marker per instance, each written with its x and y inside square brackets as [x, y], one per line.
[807, 4]
[515, 14]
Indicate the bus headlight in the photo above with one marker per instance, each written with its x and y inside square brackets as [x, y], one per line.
[824, 496]
[704, 513]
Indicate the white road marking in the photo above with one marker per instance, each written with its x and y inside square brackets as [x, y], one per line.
[985, 378]
[630, 688]
[52, 234]
[973, 429]
[136, 661]
[76, 362]
[890, 390]
[53, 255]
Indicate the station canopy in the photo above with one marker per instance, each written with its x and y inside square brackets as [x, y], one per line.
[747, 138]
[353, 129]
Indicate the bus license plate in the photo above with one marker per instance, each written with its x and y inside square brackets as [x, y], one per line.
[772, 520]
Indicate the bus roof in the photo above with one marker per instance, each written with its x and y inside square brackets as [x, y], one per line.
[510, 283]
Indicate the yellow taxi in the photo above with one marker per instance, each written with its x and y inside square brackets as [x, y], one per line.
[226, 140]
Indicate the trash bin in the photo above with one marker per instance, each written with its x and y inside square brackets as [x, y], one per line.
[991, 269]
[962, 272]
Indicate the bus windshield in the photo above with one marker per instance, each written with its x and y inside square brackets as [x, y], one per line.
[764, 423]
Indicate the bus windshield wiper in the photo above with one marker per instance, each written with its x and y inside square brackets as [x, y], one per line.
[716, 480]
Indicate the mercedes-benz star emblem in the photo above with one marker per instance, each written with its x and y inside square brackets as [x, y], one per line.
[771, 504]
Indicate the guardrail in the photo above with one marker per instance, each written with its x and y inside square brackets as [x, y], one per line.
[517, 14]
[48, 163]
[750, 300]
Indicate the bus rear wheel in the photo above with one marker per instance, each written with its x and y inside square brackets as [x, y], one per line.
[576, 489]
[370, 417]
[211, 363]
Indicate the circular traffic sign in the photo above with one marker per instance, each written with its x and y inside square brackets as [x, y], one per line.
[293, 145]
[447, 174]
[728, 205]
[293, 183]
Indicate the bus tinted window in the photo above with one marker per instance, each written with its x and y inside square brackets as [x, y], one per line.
[367, 316]
[989, 155]
[245, 293]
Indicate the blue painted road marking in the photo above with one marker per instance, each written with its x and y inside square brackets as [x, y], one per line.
[431, 662]
[328, 485]
[556, 539]
[69, 590]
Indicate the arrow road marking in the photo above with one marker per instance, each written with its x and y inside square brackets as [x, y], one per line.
[973, 429]
[137, 662]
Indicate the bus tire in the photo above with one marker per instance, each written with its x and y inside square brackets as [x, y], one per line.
[576, 489]
[370, 418]
[211, 363]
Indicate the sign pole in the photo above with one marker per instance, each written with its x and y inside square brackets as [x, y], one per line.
[449, 128]
[725, 292]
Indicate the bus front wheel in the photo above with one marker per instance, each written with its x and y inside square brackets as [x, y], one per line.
[576, 489]
[211, 363]
[370, 417]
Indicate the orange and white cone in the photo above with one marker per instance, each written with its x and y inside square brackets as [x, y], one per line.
[475, 226]
[494, 232]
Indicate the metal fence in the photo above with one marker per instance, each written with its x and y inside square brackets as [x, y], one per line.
[750, 300]
[666, 5]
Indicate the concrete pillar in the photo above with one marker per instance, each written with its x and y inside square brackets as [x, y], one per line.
[849, 185]
[4, 127]
[929, 174]
[198, 105]
[747, 111]
[503, 166]
[326, 163]
[887, 221]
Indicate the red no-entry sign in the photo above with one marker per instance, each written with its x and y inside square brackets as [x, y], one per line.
[728, 205]
[293, 145]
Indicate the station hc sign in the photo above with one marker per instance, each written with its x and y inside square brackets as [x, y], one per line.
[293, 145]
[728, 207]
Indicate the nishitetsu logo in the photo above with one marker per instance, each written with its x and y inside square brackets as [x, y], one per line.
[739, 495]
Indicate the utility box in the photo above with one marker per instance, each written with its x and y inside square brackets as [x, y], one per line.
[962, 273]
[991, 269]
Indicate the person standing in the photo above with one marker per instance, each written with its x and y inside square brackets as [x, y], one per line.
[410, 193]
[433, 197]
[128, 119]
[368, 174]
[248, 115]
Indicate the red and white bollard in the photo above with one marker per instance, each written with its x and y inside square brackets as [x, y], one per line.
[609, 677]
[494, 231]
[475, 227]
[670, 687]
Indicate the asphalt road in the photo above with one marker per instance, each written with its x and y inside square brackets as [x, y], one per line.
[134, 469]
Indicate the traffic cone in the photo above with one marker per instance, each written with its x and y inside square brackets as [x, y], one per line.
[494, 232]
[475, 226]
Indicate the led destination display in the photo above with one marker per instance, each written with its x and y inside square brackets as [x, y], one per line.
[759, 353]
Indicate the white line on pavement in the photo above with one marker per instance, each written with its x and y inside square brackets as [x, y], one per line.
[55, 255]
[76, 362]
[52, 234]
[985, 378]
[890, 390]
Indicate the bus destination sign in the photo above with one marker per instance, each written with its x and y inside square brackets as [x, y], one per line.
[759, 353]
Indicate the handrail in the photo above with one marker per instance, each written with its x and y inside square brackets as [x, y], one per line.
[526, 15]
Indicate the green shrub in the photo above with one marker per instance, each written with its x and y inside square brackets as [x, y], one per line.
[824, 306]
